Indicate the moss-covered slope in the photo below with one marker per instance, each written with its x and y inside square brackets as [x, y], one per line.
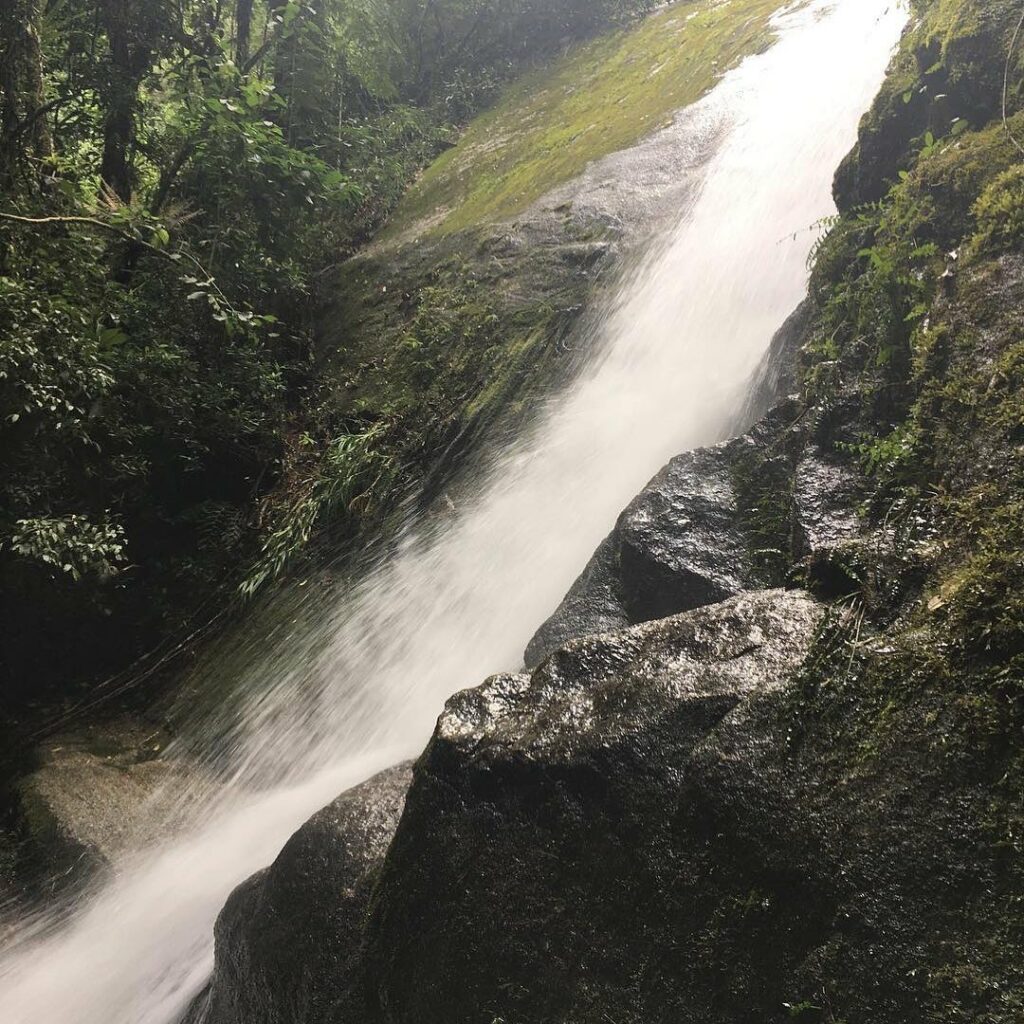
[601, 98]
[913, 709]
[456, 319]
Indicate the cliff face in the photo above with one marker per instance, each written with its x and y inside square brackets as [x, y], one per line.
[806, 801]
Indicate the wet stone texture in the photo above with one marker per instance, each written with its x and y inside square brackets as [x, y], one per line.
[683, 543]
[655, 828]
[288, 940]
[91, 796]
[827, 531]
[551, 861]
[677, 546]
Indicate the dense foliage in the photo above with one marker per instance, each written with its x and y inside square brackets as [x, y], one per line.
[175, 179]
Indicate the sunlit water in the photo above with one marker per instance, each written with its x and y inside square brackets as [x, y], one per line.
[330, 703]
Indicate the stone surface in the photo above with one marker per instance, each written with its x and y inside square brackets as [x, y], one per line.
[93, 794]
[593, 605]
[776, 377]
[827, 531]
[826, 495]
[289, 939]
[696, 820]
[684, 542]
[539, 873]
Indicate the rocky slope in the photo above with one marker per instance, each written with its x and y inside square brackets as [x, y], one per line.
[290, 936]
[804, 801]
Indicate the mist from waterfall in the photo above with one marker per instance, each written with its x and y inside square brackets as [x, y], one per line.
[331, 692]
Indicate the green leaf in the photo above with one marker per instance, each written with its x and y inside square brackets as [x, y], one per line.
[111, 337]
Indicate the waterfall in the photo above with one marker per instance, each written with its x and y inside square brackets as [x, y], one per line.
[335, 691]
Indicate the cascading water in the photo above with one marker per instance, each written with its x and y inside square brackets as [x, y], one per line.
[359, 689]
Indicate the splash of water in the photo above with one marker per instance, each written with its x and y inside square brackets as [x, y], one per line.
[331, 703]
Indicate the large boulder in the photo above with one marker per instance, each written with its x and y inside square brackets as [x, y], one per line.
[288, 942]
[750, 513]
[546, 865]
[692, 537]
[706, 820]
[92, 795]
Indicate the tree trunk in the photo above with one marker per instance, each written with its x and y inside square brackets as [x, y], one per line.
[130, 58]
[243, 31]
[24, 125]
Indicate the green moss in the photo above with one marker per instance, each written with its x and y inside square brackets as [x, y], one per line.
[947, 75]
[999, 212]
[762, 481]
[908, 716]
[603, 97]
[917, 357]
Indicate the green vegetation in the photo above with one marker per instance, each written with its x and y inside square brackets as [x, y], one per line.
[177, 182]
[918, 328]
[914, 369]
[603, 97]
[763, 482]
[909, 715]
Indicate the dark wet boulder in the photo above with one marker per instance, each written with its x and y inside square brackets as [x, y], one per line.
[550, 865]
[827, 531]
[826, 493]
[593, 605]
[682, 542]
[289, 939]
[776, 377]
[694, 536]
[713, 818]
[767, 507]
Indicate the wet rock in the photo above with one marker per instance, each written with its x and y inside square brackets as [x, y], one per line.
[686, 541]
[593, 605]
[827, 532]
[289, 939]
[91, 795]
[681, 543]
[539, 872]
[825, 506]
[776, 377]
[691, 821]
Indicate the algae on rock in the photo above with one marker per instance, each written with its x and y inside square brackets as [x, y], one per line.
[603, 97]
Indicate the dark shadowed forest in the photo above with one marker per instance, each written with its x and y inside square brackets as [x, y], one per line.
[176, 181]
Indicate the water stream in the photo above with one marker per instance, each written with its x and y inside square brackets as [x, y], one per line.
[331, 697]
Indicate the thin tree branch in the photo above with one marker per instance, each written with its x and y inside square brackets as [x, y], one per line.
[93, 221]
[46, 108]
[174, 257]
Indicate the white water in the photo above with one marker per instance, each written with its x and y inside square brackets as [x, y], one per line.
[331, 704]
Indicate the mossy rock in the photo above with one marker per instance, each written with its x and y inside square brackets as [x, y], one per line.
[949, 68]
[603, 97]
